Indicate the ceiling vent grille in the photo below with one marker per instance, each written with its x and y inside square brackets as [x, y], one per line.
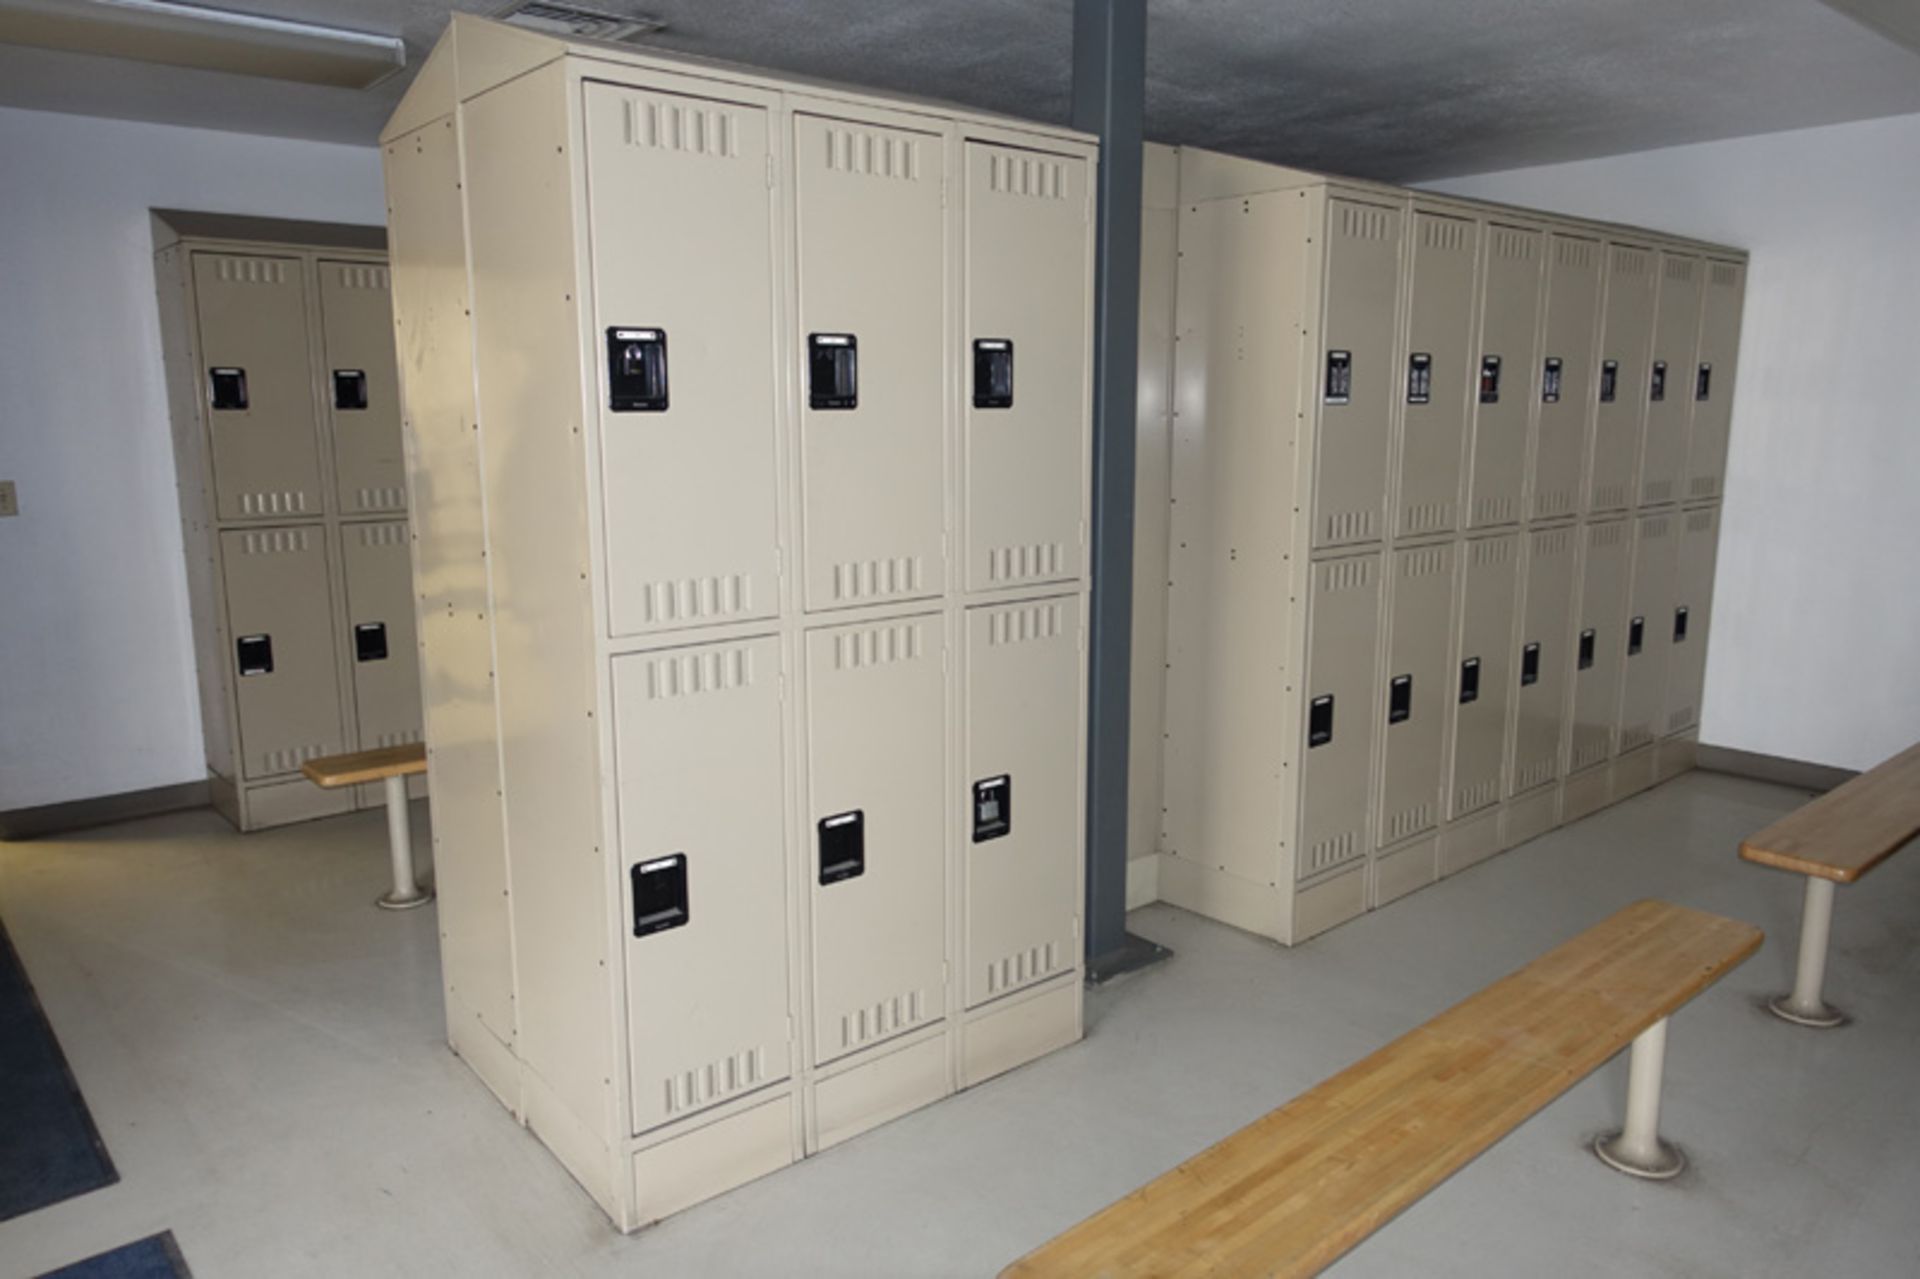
[578, 22]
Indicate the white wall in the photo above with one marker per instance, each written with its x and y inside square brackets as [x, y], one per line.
[1815, 646]
[97, 682]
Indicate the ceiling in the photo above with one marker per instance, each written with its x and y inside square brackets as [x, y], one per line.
[1401, 90]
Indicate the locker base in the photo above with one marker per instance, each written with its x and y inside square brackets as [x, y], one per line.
[1585, 794]
[1633, 773]
[1329, 902]
[1530, 816]
[878, 1088]
[1676, 754]
[1409, 868]
[284, 803]
[1019, 1029]
[1222, 895]
[1470, 841]
[710, 1160]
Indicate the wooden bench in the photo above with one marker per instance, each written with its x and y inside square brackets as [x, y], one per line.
[391, 765]
[1835, 840]
[1293, 1191]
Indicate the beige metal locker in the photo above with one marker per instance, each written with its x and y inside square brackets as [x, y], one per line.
[1414, 727]
[1343, 621]
[1358, 380]
[361, 389]
[1020, 837]
[1483, 673]
[379, 635]
[702, 855]
[1724, 292]
[1540, 687]
[1670, 379]
[1599, 641]
[1028, 242]
[280, 620]
[1442, 253]
[1626, 335]
[1510, 276]
[257, 385]
[1566, 375]
[873, 308]
[1692, 611]
[1643, 685]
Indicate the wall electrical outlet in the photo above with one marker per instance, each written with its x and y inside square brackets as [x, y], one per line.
[9, 500]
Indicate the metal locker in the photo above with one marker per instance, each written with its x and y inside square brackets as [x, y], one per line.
[1357, 380]
[1643, 686]
[1483, 672]
[379, 633]
[1620, 390]
[704, 882]
[1414, 724]
[1343, 621]
[256, 385]
[280, 640]
[1723, 293]
[1439, 373]
[1025, 353]
[1510, 277]
[876, 855]
[1692, 610]
[1021, 833]
[1670, 379]
[361, 387]
[684, 341]
[1599, 642]
[1566, 375]
[872, 236]
[1540, 686]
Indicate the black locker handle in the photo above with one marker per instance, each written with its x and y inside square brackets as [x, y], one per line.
[992, 808]
[1470, 680]
[1320, 721]
[370, 642]
[1586, 649]
[349, 390]
[843, 846]
[1703, 383]
[1550, 377]
[227, 388]
[255, 654]
[992, 373]
[637, 370]
[1530, 664]
[1680, 624]
[1489, 379]
[833, 371]
[1339, 388]
[1420, 378]
[660, 895]
[1657, 390]
[1400, 699]
[1636, 635]
[1609, 381]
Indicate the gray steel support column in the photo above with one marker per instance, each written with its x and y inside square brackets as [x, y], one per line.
[1109, 99]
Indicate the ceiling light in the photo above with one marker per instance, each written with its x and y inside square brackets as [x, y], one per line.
[192, 35]
[579, 22]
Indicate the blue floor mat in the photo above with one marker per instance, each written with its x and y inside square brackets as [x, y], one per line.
[49, 1148]
[155, 1257]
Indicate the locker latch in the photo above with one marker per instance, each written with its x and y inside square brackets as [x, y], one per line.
[1339, 377]
[1703, 382]
[992, 808]
[1609, 381]
[1489, 379]
[637, 370]
[992, 373]
[228, 388]
[1530, 665]
[1586, 649]
[1680, 624]
[843, 846]
[1470, 680]
[1550, 380]
[1636, 635]
[255, 653]
[349, 389]
[660, 895]
[1420, 378]
[1320, 721]
[370, 642]
[833, 371]
[1658, 391]
[1399, 699]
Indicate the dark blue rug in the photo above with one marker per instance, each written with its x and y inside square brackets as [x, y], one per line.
[155, 1257]
[49, 1148]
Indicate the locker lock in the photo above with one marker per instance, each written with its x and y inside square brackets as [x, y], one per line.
[1609, 381]
[370, 642]
[660, 895]
[843, 846]
[1420, 378]
[1680, 624]
[1658, 391]
[1339, 389]
[1320, 721]
[833, 371]
[349, 389]
[637, 370]
[228, 388]
[1586, 649]
[1550, 380]
[1399, 699]
[1470, 680]
[1489, 379]
[1636, 635]
[992, 373]
[1703, 383]
[1530, 665]
[992, 808]
[255, 654]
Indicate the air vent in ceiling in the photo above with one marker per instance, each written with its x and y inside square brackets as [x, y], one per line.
[577, 22]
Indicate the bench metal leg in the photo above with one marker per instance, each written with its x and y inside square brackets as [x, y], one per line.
[407, 892]
[1805, 1007]
[1637, 1149]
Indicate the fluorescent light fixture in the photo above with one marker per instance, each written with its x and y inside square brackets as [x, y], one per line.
[192, 35]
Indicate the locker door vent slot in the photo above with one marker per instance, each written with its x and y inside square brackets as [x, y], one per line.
[1609, 381]
[255, 654]
[843, 846]
[992, 373]
[1489, 379]
[349, 390]
[637, 370]
[1400, 699]
[1530, 665]
[1680, 624]
[1657, 392]
[992, 808]
[1339, 377]
[1420, 378]
[370, 642]
[1586, 649]
[660, 895]
[228, 388]
[1636, 635]
[1320, 721]
[1470, 680]
[1703, 383]
[833, 371]
[1550, 380]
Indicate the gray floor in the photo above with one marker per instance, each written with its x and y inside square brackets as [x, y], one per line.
[263, 1054]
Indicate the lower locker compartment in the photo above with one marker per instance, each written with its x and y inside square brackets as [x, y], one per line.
[1409, 868]
[1632, 773]
[716, 1157]
[1676, 755]
[876, 1088]
[1022, 1028]
[1585, 794]
[1332, 901]
[1530, 816]
[1470, 841]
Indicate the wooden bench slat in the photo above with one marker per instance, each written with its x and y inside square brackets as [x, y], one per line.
[331, 771]
[1849, 830]
[1291, 1192]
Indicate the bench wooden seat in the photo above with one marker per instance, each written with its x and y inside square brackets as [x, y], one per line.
[355, 767]
[1293, 1191]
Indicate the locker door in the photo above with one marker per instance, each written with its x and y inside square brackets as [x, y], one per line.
[875, 836]
[280, 640]
[1510, 277]
[697, 745]
[1484, 672]
[1021, 833]
[1620, 392]
[1599, 642]
[379, 634]
[1024, 356]
[873, 309]
[1566, 375]
[1643, 687]
[1713, 378]
[1337, 760]
[360, 387]
[1670, 381]
[1358, 380]
[1692, 611]
[257, 383]
[1415, 722]
[1439, 373]
[1540, 686]
[682, 225]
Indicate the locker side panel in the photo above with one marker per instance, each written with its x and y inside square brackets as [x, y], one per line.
[1724, 292]
[1413, 754]
[1644, 684]
[1026, 302]
[1620, 396]
[1357, 377]
[379, 633]
[360, 387]
[1670, 379]
[280, 617]
[1567, 375]
[1546, 660]
[1691, 616]
[1485, 672]
[1337, 755]
[1504, 374]
[1599, 641]
[684, 340]
[873, 308]
[1439, 374]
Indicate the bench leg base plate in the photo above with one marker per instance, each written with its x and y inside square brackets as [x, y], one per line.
[392, 901]
[1821, 1017]
[1669, 1160]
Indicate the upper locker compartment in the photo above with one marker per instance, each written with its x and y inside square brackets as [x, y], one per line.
[1671, 379]
[1503, 375]
[1713, 378]
[1025, 365]
[361, 390]
[1566, 375]
[1433, 424]
[1357, 377]
[873, 321]
[682, 223]
[257, 386]
[1620, 398]
[1692, 609]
